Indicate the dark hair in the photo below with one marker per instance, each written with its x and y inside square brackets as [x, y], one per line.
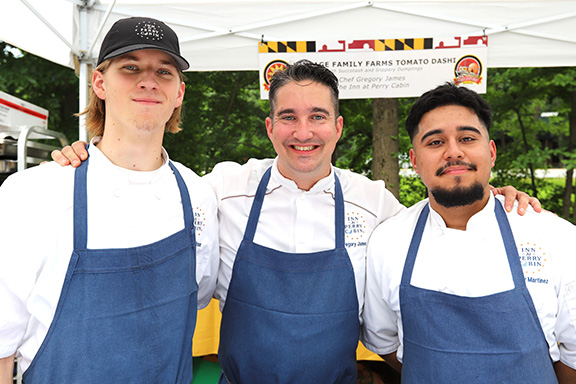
[303, 70]
[448, 94]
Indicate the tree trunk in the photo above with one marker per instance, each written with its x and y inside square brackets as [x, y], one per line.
[567, 200]
[572, 124]
[385, 143]
[527, 149]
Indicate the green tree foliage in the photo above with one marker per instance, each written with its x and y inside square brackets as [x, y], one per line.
[223, 121]
[354, 149]
[412, 190]
[42, 83]
[527, 141]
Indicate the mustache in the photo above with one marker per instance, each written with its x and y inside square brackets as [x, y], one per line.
[455, 163]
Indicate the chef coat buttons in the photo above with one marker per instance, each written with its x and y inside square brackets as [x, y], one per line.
[117, 192]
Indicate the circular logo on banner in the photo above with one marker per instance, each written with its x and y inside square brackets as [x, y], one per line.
[468, 70]
[271, 69]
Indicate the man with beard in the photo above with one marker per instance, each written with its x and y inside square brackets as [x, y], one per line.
[458, 290]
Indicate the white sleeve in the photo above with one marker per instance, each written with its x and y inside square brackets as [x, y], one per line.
[205, 209]
[17, 269]
[565, 329]
[221, 172]
[226, 176]
[207, 256]
[379, 330]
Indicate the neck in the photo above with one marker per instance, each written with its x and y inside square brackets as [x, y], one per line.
[305, 185]
[140, 153]
[302, 181]
[457, 217]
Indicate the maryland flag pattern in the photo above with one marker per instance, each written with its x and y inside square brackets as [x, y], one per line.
[374, 45]
[403, 44]
[287, 46]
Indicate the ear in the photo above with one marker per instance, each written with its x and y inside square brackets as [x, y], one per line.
[493, 152]
[339, 126]
[180, 97]
[98, 85]
[269, 127]
[413, 159]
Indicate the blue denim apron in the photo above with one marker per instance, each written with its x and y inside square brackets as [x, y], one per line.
[124, 315]
[290, 317]
[490, 339]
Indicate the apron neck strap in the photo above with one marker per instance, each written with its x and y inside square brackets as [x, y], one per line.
[81, 203]
[259, 200]
[339, 213]
[507, 238]
[414, 246]
[510, 245]
[257, 206]
[185, 197]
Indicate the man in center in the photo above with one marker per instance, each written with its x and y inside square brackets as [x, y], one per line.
[287, 280]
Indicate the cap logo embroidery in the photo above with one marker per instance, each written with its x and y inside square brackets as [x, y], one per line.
[149, 31]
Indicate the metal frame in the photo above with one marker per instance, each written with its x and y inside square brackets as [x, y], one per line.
[24, 143]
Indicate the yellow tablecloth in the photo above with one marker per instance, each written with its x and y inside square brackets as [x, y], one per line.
[207, 336]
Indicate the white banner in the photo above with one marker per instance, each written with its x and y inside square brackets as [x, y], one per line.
[385, 68]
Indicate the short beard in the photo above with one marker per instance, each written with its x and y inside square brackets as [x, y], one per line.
[458, 196]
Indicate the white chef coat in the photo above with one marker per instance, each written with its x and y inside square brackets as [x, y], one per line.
[293, 220]
[473, 263]
[125, 209]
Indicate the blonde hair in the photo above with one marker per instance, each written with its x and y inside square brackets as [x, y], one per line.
[96, 110]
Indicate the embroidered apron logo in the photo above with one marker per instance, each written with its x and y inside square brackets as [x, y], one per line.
[355, 230]
[199, 220]
[533, 260]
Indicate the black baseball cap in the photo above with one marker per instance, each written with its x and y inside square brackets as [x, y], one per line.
[136, 33]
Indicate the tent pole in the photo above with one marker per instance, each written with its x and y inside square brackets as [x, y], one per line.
[83, 100]
[83, 72]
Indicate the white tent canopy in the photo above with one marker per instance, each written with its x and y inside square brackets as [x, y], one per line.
[223, 34]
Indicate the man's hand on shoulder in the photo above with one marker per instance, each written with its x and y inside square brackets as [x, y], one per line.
[72, 155]
[511, 194]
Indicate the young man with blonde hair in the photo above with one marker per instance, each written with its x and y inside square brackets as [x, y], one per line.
[103, 267]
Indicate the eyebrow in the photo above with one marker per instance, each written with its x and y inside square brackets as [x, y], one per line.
[315, 109]
[129, 57]
[459, 129]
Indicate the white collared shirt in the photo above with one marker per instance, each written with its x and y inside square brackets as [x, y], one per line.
[294, 220]
[125, 209]
[473, 263]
